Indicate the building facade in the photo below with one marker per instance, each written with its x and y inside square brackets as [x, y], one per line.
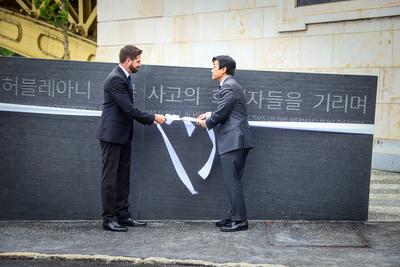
[327, 36]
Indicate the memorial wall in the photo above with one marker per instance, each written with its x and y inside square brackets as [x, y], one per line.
[311, 159]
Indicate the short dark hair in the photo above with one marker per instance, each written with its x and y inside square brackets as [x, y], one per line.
[226, 61]
[128, 51]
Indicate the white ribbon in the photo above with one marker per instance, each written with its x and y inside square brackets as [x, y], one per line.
[188, 121]
[317, 126]
[48, 110]
[306, 126]
[176, 162]
[180, 170]
[205, 170]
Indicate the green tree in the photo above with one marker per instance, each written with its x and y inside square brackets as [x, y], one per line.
[7, 53]
[55, 12]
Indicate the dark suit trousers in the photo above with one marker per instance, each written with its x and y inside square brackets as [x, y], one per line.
[233, 164]
[115, 180]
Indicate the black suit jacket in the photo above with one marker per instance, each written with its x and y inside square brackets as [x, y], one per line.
[233, 131]
[116, 124]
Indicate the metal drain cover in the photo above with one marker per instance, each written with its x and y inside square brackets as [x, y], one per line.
[315, 234]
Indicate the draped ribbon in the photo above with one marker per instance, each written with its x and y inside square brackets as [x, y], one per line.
[180, 170]
[177, 163]
[188, 121]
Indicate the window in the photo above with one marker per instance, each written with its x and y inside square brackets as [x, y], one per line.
[294, 15]
[315, 2]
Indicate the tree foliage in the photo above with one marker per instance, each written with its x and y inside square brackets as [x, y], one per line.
[57, 14]
[51, 11]
[7, 53]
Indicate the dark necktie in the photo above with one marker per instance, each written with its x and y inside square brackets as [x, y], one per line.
[130, 83]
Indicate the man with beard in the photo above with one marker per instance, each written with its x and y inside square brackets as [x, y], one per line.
[115, 134]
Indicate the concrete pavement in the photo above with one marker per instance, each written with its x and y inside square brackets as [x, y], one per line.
[200, 243]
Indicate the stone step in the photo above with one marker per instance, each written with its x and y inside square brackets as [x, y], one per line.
[383, 196]
[387, 210]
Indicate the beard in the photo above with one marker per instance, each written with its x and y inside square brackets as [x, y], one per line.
[133, 69]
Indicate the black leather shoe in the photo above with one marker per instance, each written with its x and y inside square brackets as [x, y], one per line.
[235, 226]
[131, 222]
[223, 222]
[114, 227]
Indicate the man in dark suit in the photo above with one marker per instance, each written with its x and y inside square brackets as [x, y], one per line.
[233, 139]
[115, 134]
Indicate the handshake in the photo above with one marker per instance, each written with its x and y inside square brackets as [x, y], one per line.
[200, 120]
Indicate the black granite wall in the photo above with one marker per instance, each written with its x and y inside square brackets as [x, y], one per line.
[50, 164]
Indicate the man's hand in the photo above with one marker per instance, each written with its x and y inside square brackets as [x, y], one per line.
[201, 120]
[201, 116]
[160, 119]
[202, 123]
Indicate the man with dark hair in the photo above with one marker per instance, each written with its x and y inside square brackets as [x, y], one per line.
[129, 51]
[233, 139]
[115, 134]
